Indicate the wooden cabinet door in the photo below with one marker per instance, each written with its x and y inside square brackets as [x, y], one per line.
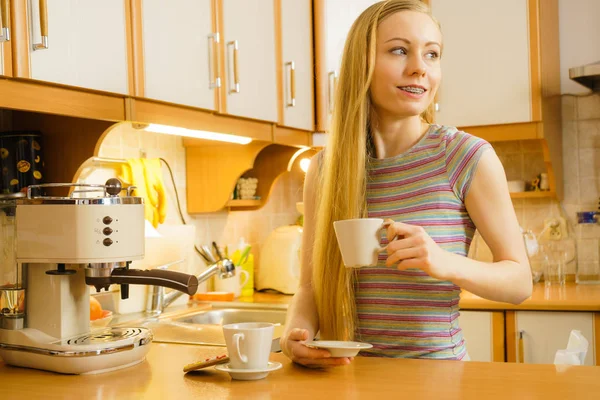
[298, 68]
[483, 332]
[180, 48]
[249, 40]
[485, 62]
[335, 21]
[86, 43]
[546, 332]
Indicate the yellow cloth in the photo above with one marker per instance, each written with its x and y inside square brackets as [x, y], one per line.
[146, 175]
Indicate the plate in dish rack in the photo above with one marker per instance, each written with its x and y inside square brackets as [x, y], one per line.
[339, 348]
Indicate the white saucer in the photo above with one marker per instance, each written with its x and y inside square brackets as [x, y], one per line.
[339, 348]
[248, 374]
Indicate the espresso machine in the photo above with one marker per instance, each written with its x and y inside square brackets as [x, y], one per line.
[65, 245]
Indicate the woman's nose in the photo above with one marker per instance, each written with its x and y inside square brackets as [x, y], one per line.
[416, 65]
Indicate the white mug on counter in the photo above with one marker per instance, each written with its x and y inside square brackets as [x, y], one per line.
[249, 344]
[359, 241]
[233, 284]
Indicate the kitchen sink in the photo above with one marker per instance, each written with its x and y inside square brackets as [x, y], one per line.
[226, 316]
[204, 326]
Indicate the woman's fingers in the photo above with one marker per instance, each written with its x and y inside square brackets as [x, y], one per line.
[403, 254]
[299, 350]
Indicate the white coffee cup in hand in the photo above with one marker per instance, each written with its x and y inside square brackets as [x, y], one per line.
[359, 240]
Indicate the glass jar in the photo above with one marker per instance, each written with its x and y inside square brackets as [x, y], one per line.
[12, 291]
[588, 246]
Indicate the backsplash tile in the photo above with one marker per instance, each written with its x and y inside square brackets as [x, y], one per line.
[223, 227]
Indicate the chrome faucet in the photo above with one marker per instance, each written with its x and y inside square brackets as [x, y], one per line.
[158, 300]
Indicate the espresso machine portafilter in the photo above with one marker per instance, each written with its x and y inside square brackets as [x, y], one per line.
[64, 245]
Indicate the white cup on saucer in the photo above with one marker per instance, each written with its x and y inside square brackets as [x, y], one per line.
[249, 344]
[359, 241]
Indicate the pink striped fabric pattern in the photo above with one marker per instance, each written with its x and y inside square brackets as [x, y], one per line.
[408, 313]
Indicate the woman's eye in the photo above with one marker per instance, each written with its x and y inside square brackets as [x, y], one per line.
[433, 55]
[399, 51]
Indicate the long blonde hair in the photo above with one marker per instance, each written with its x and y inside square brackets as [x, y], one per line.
[342, 186]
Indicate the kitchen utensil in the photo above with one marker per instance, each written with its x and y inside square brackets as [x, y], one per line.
[217, 251]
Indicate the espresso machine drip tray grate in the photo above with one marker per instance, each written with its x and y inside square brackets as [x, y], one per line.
[109, 335]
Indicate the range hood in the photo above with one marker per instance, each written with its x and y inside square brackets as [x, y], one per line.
[587, 75]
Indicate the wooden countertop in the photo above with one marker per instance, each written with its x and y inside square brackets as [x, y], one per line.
[571, 297]
[161, 377]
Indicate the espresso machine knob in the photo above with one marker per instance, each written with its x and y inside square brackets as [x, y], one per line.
[113, 186]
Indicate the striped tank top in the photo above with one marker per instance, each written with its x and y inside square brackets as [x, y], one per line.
[408, 313]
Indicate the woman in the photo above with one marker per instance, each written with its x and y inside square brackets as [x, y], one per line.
[432, 183]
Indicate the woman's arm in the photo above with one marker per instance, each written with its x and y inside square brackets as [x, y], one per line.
[302, 321]
[508, 278]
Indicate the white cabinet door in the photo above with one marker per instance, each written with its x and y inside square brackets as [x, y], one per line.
[339, 17]
[297, 44]
[477, 332]
[86, 44]
[249, 40]
[485, 62]
[179, 51]
[546, 332]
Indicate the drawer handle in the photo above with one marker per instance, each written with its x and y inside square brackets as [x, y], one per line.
[213, 39]
[236, 78]
[43, 26]
[5, 22]
[332, 81]
[521, 355]
[291, 85]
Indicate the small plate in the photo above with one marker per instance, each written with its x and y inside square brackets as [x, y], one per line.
[339, 348]
[248, 374]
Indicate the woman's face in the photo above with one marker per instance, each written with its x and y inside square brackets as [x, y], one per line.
[407, 66]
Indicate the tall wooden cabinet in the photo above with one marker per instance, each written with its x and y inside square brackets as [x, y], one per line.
[333, 19]
[250, 65]
[483, 332]
[297, 64]
[180, 50]
[486, 63]
[76, 43]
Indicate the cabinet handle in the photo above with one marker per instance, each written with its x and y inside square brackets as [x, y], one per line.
[236, 78]
[4, 12]
[292, 84]
[521, 355]
[43, 26]
[332, 77]
[216, 83]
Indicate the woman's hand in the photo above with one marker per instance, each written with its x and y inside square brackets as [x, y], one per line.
[412, 247]
[292, 345]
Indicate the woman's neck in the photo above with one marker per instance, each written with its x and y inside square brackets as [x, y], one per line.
[393, 136]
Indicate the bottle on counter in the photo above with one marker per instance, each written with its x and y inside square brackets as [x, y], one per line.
[588, 245]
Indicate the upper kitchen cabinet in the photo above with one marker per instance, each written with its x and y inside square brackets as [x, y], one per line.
[500, 64]
[5, 51]
[250, 67]
[180, 50]
[71, 42]
[297, 64]
[333, 19]
[486, 64]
